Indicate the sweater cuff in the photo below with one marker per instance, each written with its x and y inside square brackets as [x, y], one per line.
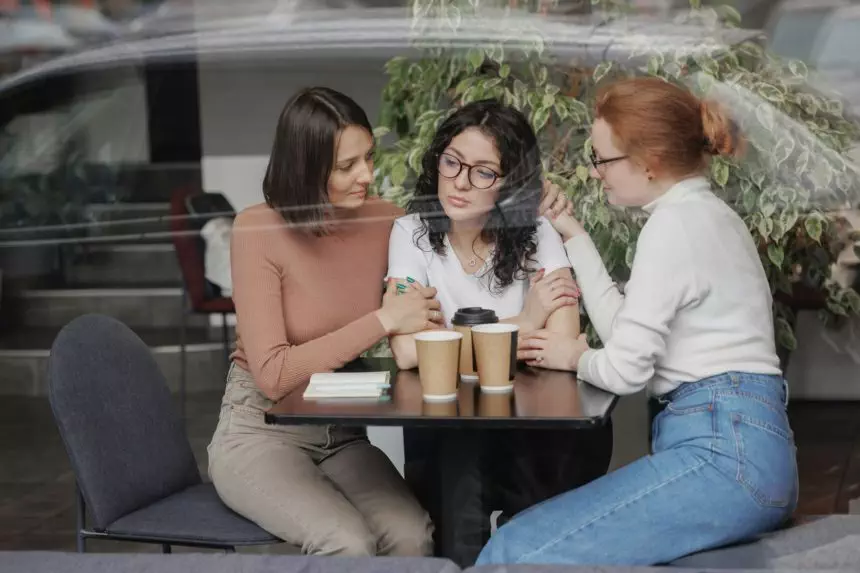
[583, 367]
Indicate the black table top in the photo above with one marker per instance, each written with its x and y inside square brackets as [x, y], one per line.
[540, 398]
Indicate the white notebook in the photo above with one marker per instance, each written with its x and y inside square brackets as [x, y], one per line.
[348, 384]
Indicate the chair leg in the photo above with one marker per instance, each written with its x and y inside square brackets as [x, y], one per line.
[81, 520]
[182, 357]
[166, 548]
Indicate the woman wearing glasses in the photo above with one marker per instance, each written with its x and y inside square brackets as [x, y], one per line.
[694, 326]
[473, 232]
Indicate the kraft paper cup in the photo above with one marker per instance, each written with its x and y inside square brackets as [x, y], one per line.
[496, 355]
[438, 363]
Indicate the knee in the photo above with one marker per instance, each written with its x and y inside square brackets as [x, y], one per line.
[344, 542]
[412, 538]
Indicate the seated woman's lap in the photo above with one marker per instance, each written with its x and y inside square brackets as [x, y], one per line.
[347, 500]
[704, 487]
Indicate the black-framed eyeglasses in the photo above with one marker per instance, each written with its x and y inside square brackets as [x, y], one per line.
[480, 176]
[598, 162]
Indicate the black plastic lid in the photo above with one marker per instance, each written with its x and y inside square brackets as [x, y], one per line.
[472, 315]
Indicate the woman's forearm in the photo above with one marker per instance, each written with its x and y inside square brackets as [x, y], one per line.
[404, 351]
[565, 320]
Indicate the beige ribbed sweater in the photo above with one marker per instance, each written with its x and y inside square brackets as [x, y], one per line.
[306, 304]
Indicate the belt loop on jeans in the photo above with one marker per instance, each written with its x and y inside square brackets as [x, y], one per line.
[785, 390]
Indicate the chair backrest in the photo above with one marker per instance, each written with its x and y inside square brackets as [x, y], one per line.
[189, 251]
[190, 248]
[125, 441]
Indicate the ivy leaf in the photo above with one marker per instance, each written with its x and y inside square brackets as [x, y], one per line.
[814, 227]
[602, 215]
[789, 219]
[836, 308]
[628, 256]
[770, 93]
[764, 113]
[776, 255]
[475, 58]
[798, 69]
[721, 172]
[582, 173]
[504, 71]
[852, 300]
[730, 15]
[654, 63]
[749, 198]
[601, 70]
[765, 226]
[540, 117]
[785, 334]
[398, 174]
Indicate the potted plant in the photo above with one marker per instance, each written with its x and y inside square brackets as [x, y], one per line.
[795, 172]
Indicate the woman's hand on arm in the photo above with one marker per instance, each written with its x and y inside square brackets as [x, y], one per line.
[559, 212]
[546, 295]
[420, 311]
[554, 350]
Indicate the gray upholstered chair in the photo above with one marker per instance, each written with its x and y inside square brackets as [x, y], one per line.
[55, 562]
[135, 471]
[829, 542]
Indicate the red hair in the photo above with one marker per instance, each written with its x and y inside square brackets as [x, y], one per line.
[665, 126]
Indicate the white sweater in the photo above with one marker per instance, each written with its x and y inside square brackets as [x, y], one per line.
[697, 303]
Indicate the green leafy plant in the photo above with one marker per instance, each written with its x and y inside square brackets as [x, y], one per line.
[794, 174]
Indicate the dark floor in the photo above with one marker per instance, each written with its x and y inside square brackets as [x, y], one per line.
[36, 483]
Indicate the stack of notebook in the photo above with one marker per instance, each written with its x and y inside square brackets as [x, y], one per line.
[367, 385]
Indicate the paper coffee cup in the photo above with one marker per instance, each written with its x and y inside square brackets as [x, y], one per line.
[463, 321]
[496, 355]
[438, 362]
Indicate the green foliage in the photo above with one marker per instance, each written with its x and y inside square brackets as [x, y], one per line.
[793, 174]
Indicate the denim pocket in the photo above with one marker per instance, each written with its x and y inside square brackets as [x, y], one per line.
[767, 463]
[698, 401]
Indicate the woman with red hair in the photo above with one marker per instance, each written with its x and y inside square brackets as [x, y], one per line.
[694, 326]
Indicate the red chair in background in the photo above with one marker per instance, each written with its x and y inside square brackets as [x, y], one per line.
[199, 295]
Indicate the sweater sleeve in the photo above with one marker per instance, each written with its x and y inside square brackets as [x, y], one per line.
[600, 295]
[661, 283]
[278, 366]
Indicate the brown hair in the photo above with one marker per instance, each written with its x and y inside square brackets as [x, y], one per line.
[665, 126]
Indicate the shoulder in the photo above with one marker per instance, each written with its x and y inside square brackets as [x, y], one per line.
[259, 215]
[409, 223]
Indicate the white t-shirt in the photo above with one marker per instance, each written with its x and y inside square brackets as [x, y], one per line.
[455, 287]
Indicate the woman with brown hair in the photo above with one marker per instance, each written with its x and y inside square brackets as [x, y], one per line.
[308, 268]
[694, 326]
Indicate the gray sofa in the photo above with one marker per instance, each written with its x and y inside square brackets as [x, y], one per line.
[57, 562]
[829, 544]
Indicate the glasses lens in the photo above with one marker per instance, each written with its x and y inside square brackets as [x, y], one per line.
[449, 166]
[481, 177]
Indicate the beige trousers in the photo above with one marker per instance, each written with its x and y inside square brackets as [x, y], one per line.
[325, 488]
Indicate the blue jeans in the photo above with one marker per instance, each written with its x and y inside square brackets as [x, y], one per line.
[723, 469]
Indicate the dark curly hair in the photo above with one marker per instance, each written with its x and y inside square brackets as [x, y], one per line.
[512, 224]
